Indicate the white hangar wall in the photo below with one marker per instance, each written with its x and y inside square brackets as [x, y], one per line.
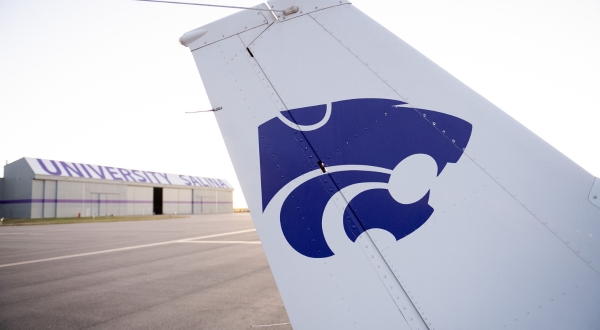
[196, 201]
[64, 189]
[16, 187]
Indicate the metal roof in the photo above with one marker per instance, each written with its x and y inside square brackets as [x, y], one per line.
[45, 167]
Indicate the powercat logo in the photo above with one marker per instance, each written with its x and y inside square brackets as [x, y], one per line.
[357, 148]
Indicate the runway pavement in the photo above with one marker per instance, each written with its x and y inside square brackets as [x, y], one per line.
[202, 272]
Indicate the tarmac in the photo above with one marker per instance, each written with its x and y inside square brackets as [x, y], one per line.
[202, 272]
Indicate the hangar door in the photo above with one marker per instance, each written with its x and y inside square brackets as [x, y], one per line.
[157, 201]
[105, 204]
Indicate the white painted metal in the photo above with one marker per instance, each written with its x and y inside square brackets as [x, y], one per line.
[595, 193]
[37, 193]
[17, 185]
[524, 165]
[227, 27]
[304, 6]
[50, 193]
[348, 288]
[311, 81]
[192, 36]
[139, 200]
[249, 36]
[412, 178]
[513, 241]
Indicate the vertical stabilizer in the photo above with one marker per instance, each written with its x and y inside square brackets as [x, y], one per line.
[386, 193]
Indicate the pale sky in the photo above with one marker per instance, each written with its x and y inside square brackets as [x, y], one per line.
[106, 81]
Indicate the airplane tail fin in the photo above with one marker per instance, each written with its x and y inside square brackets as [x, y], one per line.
[387, 194]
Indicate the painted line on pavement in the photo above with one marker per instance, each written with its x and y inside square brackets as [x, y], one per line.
[221, 242]
[27, 234]
[124, 248]
[269, 325]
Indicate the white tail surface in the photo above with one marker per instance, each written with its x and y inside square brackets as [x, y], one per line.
[386, 193]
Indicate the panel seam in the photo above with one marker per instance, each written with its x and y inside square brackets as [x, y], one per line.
[467, 155]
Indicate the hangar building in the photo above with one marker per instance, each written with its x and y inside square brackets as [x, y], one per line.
[41, 188]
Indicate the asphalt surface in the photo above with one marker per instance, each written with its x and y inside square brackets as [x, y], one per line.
[159, 274]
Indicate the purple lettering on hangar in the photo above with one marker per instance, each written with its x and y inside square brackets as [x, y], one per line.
[81, 170]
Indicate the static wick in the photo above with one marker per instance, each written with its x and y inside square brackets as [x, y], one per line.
[211, 110]
[208, 5]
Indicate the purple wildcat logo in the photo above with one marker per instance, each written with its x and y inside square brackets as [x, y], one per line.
[379, 133]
